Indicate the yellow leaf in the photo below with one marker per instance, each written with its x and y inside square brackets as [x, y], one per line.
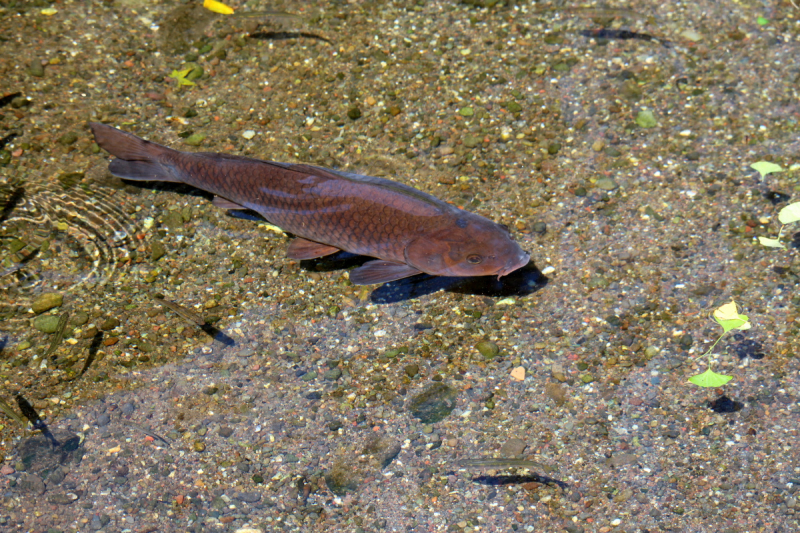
[180, 76]
[729, 318]
[217, 7]
[729, 311]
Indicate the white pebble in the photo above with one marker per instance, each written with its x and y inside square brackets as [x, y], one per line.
[248, 134]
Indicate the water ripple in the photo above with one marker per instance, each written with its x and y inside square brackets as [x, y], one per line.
[60, 240]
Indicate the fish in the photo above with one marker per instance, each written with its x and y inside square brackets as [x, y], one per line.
[10, 413]
[498, 463]
[181, 311]
[608, 33]
[62, 325]
[405, 230]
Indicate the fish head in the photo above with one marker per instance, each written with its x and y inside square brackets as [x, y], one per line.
[469, 245]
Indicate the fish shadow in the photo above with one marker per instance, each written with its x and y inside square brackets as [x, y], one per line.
[337, 261]
[161, 186]
[30, 413]
[7, 139]
[218, 335]
[7, 99]
[10, 203]
[286, 35]
[522, 282]
[494, 481]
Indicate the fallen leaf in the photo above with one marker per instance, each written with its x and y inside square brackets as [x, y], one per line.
[180, 76]
[765, 167]
[771, 243]
[790, 213]
[709, 378]
[217, 7]
[729, 318]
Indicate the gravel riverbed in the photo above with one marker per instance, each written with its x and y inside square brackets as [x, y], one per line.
[614, 141]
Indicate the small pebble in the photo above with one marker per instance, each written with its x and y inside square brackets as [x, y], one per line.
[46, 323]
[354, 113]
[36, 69]
[488, 349]
[606, 184]
[513, 447]
[195, 139]
[471, 141]
[47, 301]
[68, 138]
[109, 324]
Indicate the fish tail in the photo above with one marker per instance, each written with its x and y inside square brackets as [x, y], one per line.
[137, 159]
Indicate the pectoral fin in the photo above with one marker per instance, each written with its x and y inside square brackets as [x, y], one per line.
[224, 203]
[381, 272]
[304, 249]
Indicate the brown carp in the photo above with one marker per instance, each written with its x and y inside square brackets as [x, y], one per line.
[407, 230]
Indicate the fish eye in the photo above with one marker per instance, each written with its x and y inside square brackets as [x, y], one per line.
[474, 259]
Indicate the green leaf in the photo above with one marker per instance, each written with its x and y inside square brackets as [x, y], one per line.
[765, 167]
[771, 243]
[180, 77]
[790, 213]
[709, 378]
[762, 21]
[735, 323]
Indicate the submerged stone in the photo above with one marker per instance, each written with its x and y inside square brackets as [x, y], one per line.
[47, 301]
[434, 403]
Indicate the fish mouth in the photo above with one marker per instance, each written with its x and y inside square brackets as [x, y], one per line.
[514, 264]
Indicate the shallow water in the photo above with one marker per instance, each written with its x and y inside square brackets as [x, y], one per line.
[297, 406]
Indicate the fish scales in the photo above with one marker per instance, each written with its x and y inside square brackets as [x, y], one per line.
[287, 198]
[407, 230]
